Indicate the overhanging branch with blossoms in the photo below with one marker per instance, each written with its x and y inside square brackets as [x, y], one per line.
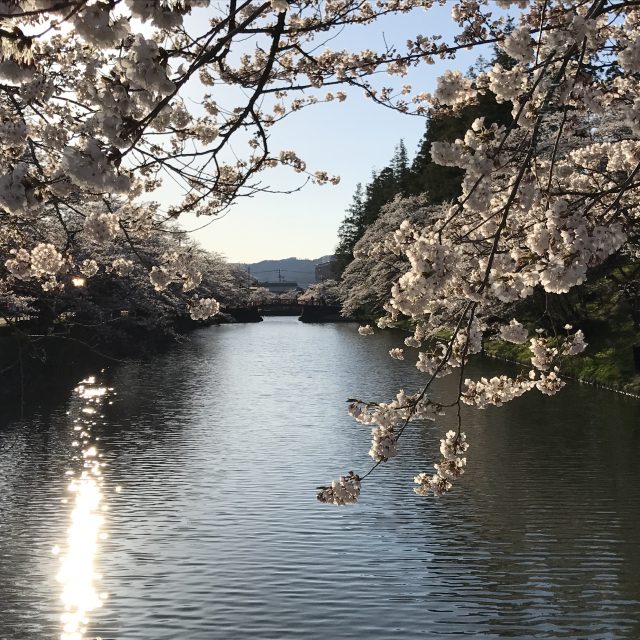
[103, 101]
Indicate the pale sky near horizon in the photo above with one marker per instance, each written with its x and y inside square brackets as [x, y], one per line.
[349, 139]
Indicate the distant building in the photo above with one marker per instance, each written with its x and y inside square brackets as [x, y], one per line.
[279, 287]
[327, 270]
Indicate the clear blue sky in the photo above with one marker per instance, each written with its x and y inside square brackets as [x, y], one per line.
[348, 139]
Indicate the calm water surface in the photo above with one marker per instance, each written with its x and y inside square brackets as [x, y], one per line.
[203, 524]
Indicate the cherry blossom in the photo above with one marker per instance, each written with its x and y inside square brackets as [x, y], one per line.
[204, 308]
[345, 490]
[104, 103]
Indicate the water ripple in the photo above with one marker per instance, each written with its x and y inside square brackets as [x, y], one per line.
[218, 445]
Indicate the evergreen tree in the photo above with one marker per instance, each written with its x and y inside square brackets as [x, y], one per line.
[350, 229]
[378, 192]
[443, 183]
[401, 169]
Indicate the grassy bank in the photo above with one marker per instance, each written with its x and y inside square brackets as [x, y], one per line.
[607, 361]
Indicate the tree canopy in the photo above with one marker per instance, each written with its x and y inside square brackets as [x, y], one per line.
[103, 101]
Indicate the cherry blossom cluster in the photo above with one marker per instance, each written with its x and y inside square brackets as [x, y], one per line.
[366, 330]
[121, 266]
[384, 444]
[44, 262]
[550, 383]
[176, 267]
[514, 332]
[543, 353]
[574, 343]
[451, 466]
[203, 308]
[495, 391]
[325, 291]
[398, 412]
[345, 490]
[101, 227]
[546, 350]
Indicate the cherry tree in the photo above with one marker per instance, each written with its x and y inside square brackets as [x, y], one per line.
[102, 102]
[543, 200]
[379, 261]
[325, 292]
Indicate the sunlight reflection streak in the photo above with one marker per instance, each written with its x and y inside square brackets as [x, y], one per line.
[77, 574]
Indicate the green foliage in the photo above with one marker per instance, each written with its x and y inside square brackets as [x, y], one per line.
[607, 361]
[442, 184]
[351, 229]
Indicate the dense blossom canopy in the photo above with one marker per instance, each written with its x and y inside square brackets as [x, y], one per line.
[101, 101]
[544, 199]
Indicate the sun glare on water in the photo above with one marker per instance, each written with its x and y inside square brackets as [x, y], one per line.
[77, 575]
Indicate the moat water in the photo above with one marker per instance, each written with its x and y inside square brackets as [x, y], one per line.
[196, 518]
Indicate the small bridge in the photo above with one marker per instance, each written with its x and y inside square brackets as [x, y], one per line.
[280, 306]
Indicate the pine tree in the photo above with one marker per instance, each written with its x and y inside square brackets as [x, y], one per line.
[378, 192]
[401, 169]
[443, 183]
[351, 228]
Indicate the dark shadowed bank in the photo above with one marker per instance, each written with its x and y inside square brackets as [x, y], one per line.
[326, 313]
[34, 356]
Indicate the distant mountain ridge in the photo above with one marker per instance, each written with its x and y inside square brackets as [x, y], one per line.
[299, 270]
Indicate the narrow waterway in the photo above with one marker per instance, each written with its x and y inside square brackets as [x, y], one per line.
[174, 498]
